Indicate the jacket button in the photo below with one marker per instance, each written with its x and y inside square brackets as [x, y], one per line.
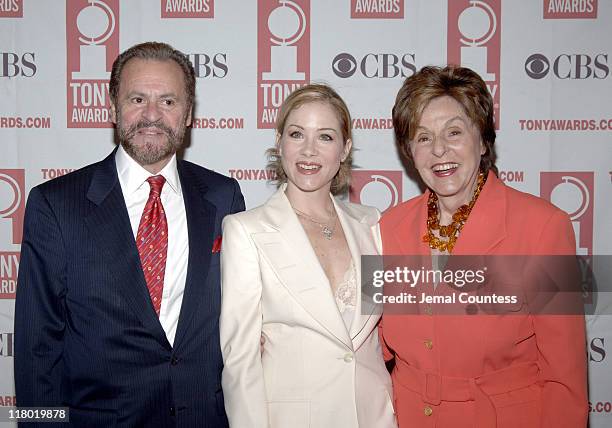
[471, 309]
[172, 411]
[174, 361]
[428, 344]
[428, 411]
[348, 357]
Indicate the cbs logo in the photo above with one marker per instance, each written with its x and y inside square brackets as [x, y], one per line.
[597, 350]
[568, 66]
[371, 65]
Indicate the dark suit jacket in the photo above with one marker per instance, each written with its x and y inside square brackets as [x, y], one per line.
[86, 333]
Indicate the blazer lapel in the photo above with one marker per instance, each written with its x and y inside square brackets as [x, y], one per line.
[356, 226]
[290, 254]
[479, 235]
[200, 228]
[110, 227]
[484, 231]
[411, 231]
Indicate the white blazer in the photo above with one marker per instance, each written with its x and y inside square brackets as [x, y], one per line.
[313, 372]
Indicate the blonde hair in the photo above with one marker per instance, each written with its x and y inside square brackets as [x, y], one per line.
[312, 93]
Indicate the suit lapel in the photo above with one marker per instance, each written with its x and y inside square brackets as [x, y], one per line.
[290, 254]
[486, 225]
[408, 239]
[110, 227]
[200, 228]
[355, 227]
[480, 234]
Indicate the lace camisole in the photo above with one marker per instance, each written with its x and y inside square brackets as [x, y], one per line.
[346, 296]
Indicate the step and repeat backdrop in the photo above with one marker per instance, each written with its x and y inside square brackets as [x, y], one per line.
[547, 64]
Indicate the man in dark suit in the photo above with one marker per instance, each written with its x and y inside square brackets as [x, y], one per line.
[118, 297]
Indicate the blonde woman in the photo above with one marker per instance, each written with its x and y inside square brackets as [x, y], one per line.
[291, 272]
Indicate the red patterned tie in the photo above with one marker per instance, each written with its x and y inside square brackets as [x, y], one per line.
[152, 240]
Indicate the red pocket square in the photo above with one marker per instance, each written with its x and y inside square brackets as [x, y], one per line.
[217, 245]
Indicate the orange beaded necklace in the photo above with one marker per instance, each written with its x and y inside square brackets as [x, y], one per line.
[452, 230]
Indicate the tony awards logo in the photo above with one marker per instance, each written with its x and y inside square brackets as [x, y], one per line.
[474, 30]
[11, 8]
[283, 54]
[9, 267]
[380, 189]
[573, 193]
[570, 9]
[92, 43]
[386, 9]
[12, 205]
[187, 8]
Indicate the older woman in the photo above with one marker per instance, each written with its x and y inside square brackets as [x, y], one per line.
[291, 272]
[460, 371]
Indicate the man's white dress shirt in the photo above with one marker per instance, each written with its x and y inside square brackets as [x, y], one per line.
[135, 188]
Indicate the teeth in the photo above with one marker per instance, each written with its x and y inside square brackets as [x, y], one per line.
[308, 167]
[445, 166]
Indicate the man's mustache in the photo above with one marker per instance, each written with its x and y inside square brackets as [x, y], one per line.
[144, 124]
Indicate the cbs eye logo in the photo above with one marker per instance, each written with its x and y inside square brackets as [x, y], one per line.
[344, 65]
[374, 65]
[537, 66]
[575, 66]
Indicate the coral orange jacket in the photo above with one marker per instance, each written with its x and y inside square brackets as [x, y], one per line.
[504, 371]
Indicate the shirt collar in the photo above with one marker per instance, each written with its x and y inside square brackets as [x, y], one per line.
[132, 175]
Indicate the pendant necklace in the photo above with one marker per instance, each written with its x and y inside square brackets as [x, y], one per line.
[326, 230]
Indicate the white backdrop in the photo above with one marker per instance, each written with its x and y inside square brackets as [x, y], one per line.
[547, 63]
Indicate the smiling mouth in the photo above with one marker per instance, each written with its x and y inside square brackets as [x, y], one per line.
[445, 168]
[308, 167]
[150, 131]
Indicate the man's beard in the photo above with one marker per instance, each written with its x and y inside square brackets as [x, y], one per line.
[150, 153]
